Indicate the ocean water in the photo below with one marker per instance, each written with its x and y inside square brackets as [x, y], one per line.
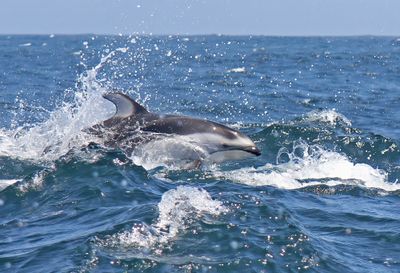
[323, 196]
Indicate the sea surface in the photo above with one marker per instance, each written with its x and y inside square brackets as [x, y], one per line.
[323, 197]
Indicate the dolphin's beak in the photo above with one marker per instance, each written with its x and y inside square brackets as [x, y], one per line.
[253, 150]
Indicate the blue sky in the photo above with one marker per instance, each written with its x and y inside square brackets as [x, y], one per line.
[265, 17]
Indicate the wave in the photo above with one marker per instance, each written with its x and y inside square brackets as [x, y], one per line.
[329, 116]
[310, 165]
[62, 132]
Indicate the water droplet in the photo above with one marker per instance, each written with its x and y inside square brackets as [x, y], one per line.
[234, 244]
[124, 183]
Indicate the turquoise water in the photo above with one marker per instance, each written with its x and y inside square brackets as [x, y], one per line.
[322, 197]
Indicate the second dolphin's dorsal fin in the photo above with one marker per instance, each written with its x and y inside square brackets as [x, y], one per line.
[125, 105]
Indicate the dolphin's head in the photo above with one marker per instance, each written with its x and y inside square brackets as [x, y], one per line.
[223, 143]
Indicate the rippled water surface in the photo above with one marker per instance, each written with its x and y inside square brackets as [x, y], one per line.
[322, 197]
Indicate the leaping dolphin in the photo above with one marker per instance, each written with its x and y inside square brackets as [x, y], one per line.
[133, 125]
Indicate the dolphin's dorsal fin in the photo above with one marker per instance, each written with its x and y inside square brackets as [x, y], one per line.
[125, 105]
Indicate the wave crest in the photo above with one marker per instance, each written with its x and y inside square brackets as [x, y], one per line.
[309, 165]
[178, 208]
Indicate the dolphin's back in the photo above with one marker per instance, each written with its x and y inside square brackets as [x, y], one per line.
[182, 125]
[131, 115]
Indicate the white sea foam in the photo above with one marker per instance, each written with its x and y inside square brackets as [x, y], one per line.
[178, 208]
[327, 116]
[309, 166]
[237, 70]
[26, 44]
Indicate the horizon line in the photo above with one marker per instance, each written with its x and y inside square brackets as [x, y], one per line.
[200, 34]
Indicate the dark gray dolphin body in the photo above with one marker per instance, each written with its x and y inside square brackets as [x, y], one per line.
[132, 125]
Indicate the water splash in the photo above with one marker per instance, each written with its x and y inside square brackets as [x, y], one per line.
[62, 131]
[178, 208]
[173, 153]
